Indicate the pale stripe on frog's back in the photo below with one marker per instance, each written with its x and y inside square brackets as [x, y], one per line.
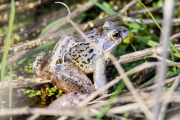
[57, 55]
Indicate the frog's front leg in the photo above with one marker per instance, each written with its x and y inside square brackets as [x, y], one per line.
[100, 74]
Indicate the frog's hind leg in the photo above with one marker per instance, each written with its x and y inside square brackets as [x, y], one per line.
[100, 74]
[39, 63]
[69, 78]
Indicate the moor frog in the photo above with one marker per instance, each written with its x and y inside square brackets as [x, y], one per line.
[73, 57]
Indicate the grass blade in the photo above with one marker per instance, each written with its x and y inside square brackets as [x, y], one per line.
[150, 15]
[7, 40]
[10, 90]
[132, 25]
[50, 26]
[148, 42]
[104, 8]
[7, 44]
[153, 36]
[175, 49]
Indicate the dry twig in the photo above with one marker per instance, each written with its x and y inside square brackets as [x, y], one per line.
[161, 70]
[24, 83]
[168, 94]
[128, 6]
[16, 57]
[79, 10]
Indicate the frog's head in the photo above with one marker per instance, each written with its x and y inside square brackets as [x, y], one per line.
[115, 32]
[114, 35]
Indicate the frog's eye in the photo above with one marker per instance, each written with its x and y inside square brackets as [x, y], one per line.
[116, 35]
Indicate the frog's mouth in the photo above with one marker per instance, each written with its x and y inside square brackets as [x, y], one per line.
[113, 47]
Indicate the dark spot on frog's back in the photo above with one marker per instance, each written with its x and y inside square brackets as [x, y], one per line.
[91, 50]
[84, 62]
[81, 65]
[85, 55]
[81, 50]
[92, 56]
[91, 36]
[87, 47]
[88, 60]
[58, 61]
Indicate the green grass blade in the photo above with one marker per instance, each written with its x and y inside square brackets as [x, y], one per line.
[104, 8]
[126, 114]
[172, 56]
[7, 43]
[10, 90]
[148, 42]
[173, 73]
[50, 26]
[143, 24]
[175, 49]
[133, 47]
[79, 19]
[7, 40]
[177, 55]
[132, 25]
[106, 4]
[150, 15]
[153, 36]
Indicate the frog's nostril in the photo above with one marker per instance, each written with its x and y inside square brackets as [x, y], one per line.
[124, 31]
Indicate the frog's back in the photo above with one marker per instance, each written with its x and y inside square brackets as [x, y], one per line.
[61, 47]
[84, 56]
[75, 49]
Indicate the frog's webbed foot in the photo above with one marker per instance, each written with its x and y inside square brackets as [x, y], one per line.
[69, 78]
[100, 74]
[39, 63]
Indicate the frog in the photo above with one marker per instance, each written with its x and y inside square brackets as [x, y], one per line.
[73, 57]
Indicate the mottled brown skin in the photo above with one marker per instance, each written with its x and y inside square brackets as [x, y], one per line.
[71, 78]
